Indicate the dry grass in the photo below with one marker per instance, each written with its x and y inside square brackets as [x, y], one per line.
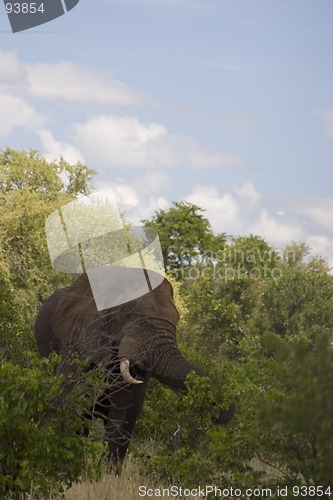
[270, 471]
[126, 487]
[109, 487]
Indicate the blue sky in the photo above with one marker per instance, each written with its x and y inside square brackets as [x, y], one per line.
[224, 103]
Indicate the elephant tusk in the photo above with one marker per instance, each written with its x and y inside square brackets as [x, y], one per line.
[124, 370]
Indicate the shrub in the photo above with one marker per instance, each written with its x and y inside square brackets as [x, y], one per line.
[42, 446]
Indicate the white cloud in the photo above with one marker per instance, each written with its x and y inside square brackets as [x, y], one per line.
[12, 70]
[54, 149]
[227, 212]
[121, 142]
[107, 141]
[327, 117]
[248, 193]
[140, 199]
[242, 211]
[118, 141]
[66, 82]
[184, 151]
[15, 112]
[21, 84]
[145, 209]
[239, 212]
[222, 210]
[319, 211]
[152, 181]
[276, 232]
[134, 202]
[126, 195]
[73, 83]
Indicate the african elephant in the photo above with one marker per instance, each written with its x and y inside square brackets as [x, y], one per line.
[133, 341]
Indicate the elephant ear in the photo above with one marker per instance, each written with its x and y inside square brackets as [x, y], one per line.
[78, 324]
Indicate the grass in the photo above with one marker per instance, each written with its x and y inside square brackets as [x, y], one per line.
[109, 487]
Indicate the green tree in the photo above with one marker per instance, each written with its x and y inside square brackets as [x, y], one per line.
[281, 372]
[299, 303]
[8, 335]
[223, 294]
[186, 236]
[251, 256]
[299, 409]
[294, 254]
[22, 169]
[30, 189]
[280, 435]
[217, 312]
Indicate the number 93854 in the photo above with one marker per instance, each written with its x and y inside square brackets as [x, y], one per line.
[25, 8]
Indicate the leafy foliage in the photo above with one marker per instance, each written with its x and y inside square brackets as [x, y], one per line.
[181, 426]
[280, 378]
[186, 236]
[21, 170]
[222, 299]
[281, 432]
[7, 313]
[258, 322]
[42, 447]
[299, 414]
[301, 302]
[30, 189]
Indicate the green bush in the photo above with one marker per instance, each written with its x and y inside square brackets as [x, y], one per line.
[297, 421]
[280, 435]
[180, 426]
[42, 446]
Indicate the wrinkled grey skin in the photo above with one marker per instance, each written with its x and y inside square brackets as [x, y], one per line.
[142, 331]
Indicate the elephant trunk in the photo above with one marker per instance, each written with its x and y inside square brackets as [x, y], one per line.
[174, 371]
[159, 356]
[169, 365]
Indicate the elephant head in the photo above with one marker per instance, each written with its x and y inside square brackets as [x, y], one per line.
[137, 337]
